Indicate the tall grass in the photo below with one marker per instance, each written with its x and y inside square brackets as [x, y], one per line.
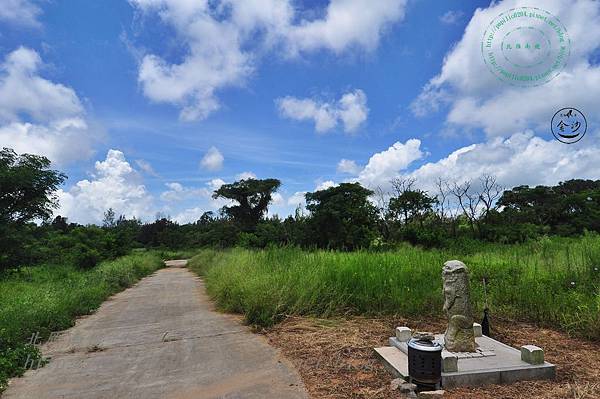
[48, 298]
[555, 282]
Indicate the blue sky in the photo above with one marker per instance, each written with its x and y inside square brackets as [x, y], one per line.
[163, 83]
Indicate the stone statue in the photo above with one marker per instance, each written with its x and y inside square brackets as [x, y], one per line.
[459, 336]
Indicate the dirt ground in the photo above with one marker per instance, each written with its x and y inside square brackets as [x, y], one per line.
[335, 358]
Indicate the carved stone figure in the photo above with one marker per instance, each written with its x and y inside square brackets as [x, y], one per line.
[459, 336]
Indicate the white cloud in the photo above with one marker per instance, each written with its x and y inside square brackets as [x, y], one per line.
[174, 193]
[546, 162]
[346, 23]
[277, 199]
[20, 12]
[215, 184]
[115, 184]
[62, 141]
[190, 215]
[177, 192]
[452, 17]
[297, 199]
[39, 116]
[212, 160]
[146, 167]
[385, 165]
[224, 39]
[351, 111]
[348, 166]
[245, 176]
[325, 185]
[477, 99]
[22, 90]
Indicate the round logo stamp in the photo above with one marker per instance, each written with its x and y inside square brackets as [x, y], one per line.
[526, 46]
[569, 125]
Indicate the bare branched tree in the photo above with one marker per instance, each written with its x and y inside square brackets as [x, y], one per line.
[382, 199]
[402, 184]
[491, 191]
[443, 192]
[468, 201]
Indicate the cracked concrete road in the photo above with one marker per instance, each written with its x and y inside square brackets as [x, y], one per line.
[160, 339]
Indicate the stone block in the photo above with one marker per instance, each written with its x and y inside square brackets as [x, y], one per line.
[449, 362]
[407, 387]
[532, 354]
[403, 334]
[432, 394]
[477, 330]
[395, 383]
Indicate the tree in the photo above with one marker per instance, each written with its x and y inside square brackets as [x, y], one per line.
[342, 217]
[252, 196]
[412, 204]
[109, 220]
[27, 187]
[27, 192]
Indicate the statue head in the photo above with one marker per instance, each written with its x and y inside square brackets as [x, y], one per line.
[454, 267]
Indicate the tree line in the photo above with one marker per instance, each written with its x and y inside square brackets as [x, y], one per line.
[344, 217]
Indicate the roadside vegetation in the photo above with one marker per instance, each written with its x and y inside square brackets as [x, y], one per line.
[551, 281]
[48, 298]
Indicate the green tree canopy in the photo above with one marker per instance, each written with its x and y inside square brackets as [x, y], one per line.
[27, 187]
[342, 217]
[411, 205]
[252, 196]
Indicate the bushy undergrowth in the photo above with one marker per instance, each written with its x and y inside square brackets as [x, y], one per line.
[552, 281]
[48, 298]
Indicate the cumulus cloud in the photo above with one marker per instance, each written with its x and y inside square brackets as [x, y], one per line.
[477, 99]
[39, 116]
[346, 23]
[547, 162]
[351, 111]
[114, 184]
[212, 160]
[348, 166]
[223, 41]
[20, 12]
[385, 165]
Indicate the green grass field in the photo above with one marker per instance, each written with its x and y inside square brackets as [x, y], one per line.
[48, 298]
[553, 281]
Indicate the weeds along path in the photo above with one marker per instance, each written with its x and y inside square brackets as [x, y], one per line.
[160, 339]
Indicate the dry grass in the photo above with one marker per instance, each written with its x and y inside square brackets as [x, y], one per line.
[335, 358]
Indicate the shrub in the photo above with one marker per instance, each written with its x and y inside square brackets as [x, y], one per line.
[85, 257]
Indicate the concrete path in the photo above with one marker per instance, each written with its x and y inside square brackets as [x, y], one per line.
[160, 339]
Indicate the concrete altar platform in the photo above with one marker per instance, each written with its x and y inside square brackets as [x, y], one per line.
[494, 363]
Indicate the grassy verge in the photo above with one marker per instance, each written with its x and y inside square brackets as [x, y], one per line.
[554, 282]
[48, 298]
